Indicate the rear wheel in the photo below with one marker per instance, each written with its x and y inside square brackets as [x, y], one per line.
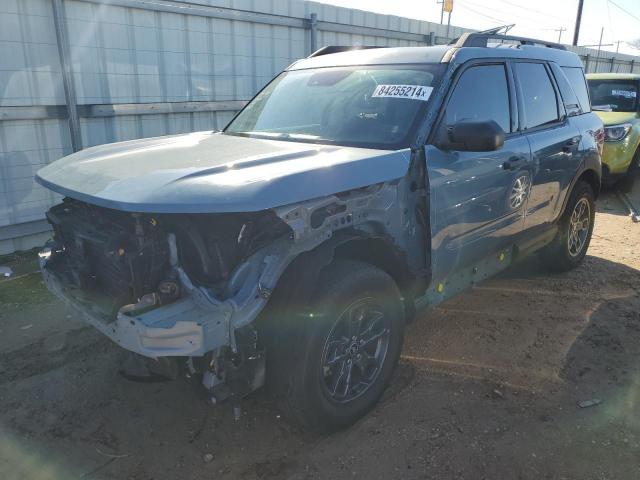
[574, 231]
[346, 348]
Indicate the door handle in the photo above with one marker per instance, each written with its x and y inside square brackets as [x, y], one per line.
[568, 146]
[509, 164]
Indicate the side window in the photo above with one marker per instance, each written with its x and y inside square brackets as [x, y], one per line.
[579, 84]
[481, 94]
[569, 98]
[539, 96]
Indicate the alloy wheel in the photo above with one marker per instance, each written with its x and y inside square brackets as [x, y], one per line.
[355, 351]
[579, 227]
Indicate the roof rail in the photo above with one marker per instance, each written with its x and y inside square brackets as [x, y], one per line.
[340, 48]
[502, 28]
[481, 39]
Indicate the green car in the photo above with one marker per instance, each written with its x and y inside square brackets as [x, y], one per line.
[615, 99]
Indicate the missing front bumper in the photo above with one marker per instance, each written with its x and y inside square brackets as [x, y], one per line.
[182, 328]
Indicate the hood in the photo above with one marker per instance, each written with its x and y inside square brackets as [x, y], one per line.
[616, 118]
[207, 172]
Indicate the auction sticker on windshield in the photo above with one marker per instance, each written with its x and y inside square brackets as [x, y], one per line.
[623, 93]
[415, 92]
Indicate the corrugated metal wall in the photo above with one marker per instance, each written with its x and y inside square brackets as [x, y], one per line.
[30, 74]
[193, 61]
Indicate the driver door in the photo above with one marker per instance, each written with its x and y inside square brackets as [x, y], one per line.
[478, 199]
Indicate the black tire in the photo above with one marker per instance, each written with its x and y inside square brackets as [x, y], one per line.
[562, 254]
[305, 380]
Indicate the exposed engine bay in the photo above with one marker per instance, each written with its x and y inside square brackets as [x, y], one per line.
[116, 258]
[121, 265]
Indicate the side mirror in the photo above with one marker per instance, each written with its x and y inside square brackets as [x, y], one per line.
[474, 136]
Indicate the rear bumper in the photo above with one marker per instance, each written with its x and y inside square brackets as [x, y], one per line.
[182, 328]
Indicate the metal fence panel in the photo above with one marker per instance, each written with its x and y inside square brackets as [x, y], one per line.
[30, 74]
[142, 69]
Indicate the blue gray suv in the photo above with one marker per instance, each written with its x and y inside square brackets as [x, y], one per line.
[357, 187]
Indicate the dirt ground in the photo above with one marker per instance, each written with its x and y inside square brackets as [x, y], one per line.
[488, 388]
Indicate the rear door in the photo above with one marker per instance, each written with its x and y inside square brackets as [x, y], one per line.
[475, 205]
[554, 141]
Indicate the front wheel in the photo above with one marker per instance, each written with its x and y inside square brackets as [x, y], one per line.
[347, 347]
[574, 231]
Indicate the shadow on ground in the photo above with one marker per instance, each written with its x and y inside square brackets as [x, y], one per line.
[487, 388]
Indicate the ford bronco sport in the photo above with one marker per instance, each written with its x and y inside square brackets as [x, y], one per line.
[358, 186]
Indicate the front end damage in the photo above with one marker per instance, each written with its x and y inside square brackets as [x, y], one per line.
[169, 285]
[191, 285]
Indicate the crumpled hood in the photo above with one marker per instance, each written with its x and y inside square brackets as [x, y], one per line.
[207, 172]
[616, 118]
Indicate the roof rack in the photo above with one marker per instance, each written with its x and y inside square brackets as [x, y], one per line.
[340, 48]
[481, 39]
[503, 29]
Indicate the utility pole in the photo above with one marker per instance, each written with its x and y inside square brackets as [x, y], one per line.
[576, 32]
[447, 6]
[618, 46]
[560, 30]
[599, 48]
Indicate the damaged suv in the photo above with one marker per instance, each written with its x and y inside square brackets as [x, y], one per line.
[358, 186]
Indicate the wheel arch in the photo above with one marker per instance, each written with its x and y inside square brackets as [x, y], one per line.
[381, 252]
[296, 285]
[591, 177]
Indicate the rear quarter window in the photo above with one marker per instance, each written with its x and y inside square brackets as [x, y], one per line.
[569, 98]
[575, 75]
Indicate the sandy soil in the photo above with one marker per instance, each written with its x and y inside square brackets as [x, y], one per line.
[488, 387]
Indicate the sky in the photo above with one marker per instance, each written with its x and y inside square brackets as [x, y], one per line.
[533, 18]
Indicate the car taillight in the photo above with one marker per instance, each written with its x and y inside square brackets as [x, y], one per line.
[599, 136]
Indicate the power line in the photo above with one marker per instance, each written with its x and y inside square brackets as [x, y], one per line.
[520, 19]
[483, 14]
[528, 24]
[543, 14]
[623, 9]
[609, 15]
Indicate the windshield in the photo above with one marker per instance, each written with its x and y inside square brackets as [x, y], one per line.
[614, 95]
[372, 106]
